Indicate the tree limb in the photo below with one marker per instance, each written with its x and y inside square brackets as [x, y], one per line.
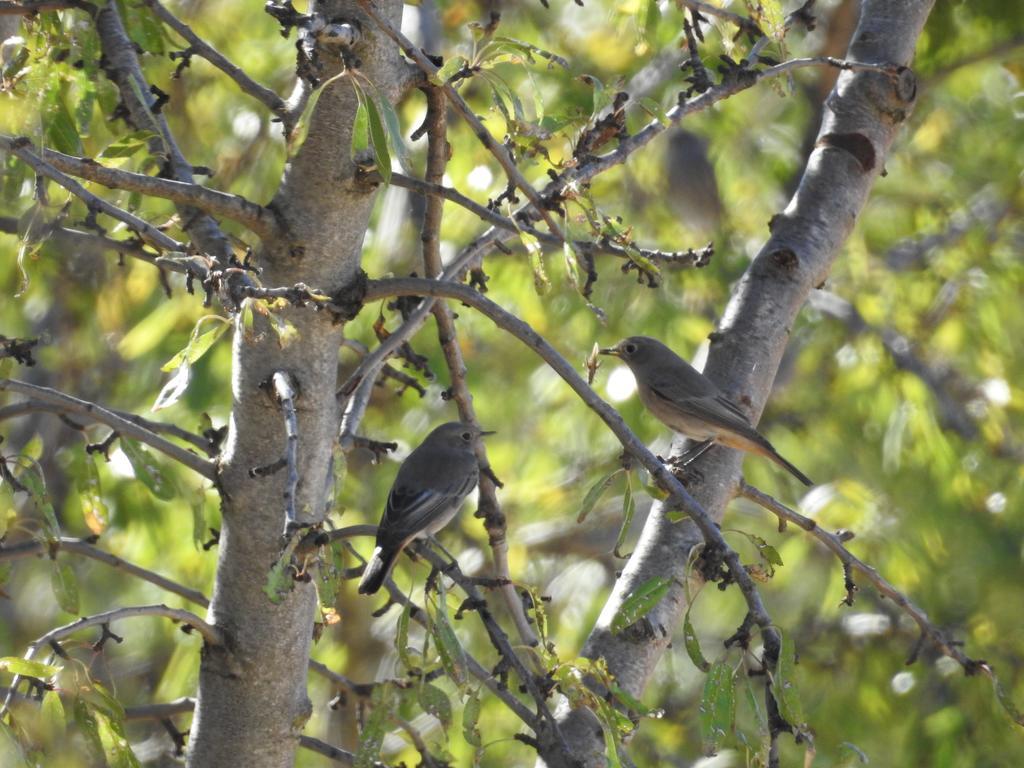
[97, 413]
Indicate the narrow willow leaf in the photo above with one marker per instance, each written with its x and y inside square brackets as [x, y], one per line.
[402, 637]
[147, 471]
[434, 701]
[94, 509]
[470, 718]
[127, 145]
[198, 344]
[640, 601]
[453, 66]
[89, 728]
[784, 688]
[52, 714]
[693, 644]
[198, 504]
[1006, 700]
[279, 578]
[32, 479]
[851, 755]
[611, 751]
[530, 50]
[301, 129]
[634, 704]
[717, 707]
[655, 110]
[541, 283]
[628, 509]
[59, 129]
[379, 139]
[395, 137]
[15, 665]
[65, 586]
[371, 739]
[594, 495]
[448, 647]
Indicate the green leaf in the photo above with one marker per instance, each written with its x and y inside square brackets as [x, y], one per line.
[11, 745]
[402, 637]
[541, 283]
[89, 728]
[59, 129]
[198, 504]
[640, 601]
[448, 646]
[601, 97]
[198, 344]
[174, 388]
[301, 129]
[654, 109]
[379, 139]
[15, 665]
[470, 720]
[65, 586]
[628, 508]
[434, 701]
[395, 137]
[94, 509]
[32, 478]
[147, 471]
[529, 50]
[784, 687]
[360, 126]
[453, 66]
[52, 714]
[851, 755]
[692, 643]
[594, 495]
[372, 737]
[127, 145]
[1006, 700]
[717, 707]
[279, 578]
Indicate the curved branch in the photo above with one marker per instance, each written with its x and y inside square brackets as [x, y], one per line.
[96, 413]
[211, 635]
[235, 207]
[21, 148]
[26, 407]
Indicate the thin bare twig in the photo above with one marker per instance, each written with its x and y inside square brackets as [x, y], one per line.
[834, 542]
[93, 412]
[81, 239]
[200, 47]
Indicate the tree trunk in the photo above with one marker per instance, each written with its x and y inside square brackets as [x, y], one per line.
[863, 114]
[252, 702]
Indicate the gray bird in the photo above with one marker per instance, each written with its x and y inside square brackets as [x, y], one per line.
[430, 486]
[684, 399]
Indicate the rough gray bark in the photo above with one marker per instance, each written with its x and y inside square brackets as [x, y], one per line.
[252, 702]
[862, 116]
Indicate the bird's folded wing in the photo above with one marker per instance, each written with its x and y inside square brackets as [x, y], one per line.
[715, 410]
[410, 510]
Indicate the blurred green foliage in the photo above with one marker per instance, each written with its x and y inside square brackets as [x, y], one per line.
[934, 269]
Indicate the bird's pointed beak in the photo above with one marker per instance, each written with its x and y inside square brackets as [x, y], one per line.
[613, 351]
[485, 432]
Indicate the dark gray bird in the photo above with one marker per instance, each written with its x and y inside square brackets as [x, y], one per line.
[430, 486]
[684, 399]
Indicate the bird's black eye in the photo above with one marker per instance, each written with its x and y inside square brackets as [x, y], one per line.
[629, 349]
[467, 436]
